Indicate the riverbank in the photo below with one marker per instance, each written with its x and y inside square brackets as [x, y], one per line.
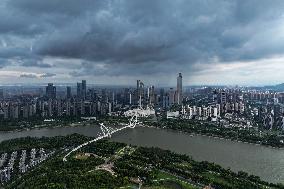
[252, 136]
[129, 163]
[77, 124]
[258, 160]
[212, 136]
[86, 123]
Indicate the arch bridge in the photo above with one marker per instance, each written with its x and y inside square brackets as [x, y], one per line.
[106, 132]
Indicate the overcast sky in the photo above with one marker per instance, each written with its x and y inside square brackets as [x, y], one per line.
[119, 41]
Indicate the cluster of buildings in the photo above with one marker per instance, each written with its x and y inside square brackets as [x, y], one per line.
[26, 162]
[266, 108]
[217, 103]
[142, 96]
[212, 112]
[270, 115]
[85, 101]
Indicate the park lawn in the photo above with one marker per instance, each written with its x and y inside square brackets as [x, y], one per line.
[171, 178]
[170, 185]
[217, 179]
[81, 156]
[163, 175]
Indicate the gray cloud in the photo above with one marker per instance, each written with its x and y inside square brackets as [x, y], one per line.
[34, 75]
[29, 75]
[134, 37]
[47, 75]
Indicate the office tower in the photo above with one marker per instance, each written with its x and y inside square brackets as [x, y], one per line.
[84, 89]
[75, 108]
[140, 91]
[68, 92]
[79, 90]
[82, 108]
[1, 94]
[151, 95]
[179, 88]
[171, 96]
[50, 111]
[126, 96]
[166, 101]
[50, 91]
[68, 108]
[223, 97]
[59, 108]
[162, 92]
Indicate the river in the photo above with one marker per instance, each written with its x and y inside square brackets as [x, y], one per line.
[266, 162]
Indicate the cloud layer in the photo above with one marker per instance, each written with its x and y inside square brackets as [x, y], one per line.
[128, 39]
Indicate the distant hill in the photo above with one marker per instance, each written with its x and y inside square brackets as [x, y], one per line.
[279, 87]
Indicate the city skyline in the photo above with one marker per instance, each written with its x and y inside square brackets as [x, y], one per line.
[116, 42]
[156, 94]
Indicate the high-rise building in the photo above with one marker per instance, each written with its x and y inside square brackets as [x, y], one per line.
[152, 95]
[50, 108]
[223, 97]
[68, 92]
[50, 91]
[79, 90]
[179, 89]
[84, 89]
[171, 96]
[130, 98]
[126, 96]
[68, 108]
[166, 101]
[1, 94]
[140, 92]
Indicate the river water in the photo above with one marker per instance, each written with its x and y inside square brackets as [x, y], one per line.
[266, 162]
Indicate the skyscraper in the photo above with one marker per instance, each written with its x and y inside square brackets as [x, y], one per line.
[152, 95]
[140, 91]
[223, 97]
[79, 90]
[171, 96]
[179, 88]
[1, 94]
[68, 94]
[84, 89]
[50, 91]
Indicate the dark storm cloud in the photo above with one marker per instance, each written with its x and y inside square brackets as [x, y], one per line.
[140, 36]
[51, 7]
[22, 57]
